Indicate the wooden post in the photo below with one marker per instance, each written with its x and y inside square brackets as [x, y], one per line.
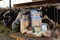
[10, 4]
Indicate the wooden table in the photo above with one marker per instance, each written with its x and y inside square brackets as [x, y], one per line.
[19, 36]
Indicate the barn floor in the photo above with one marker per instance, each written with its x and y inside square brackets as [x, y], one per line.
[4, 33]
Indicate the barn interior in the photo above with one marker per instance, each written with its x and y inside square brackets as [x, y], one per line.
[29, 19]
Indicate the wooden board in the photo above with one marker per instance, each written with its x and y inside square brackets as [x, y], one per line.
[36, 3]
[27, 37]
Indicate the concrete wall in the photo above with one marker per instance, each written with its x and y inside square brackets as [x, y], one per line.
[58, 7]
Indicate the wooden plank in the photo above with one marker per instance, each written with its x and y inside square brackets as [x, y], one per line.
[19, 36]
[36, 3]
[16, 37]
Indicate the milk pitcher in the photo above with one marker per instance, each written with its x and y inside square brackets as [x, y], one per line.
[24, 23]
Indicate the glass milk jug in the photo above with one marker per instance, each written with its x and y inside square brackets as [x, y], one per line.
[24, 23]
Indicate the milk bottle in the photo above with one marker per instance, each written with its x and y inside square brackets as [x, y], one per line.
[24, 23]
